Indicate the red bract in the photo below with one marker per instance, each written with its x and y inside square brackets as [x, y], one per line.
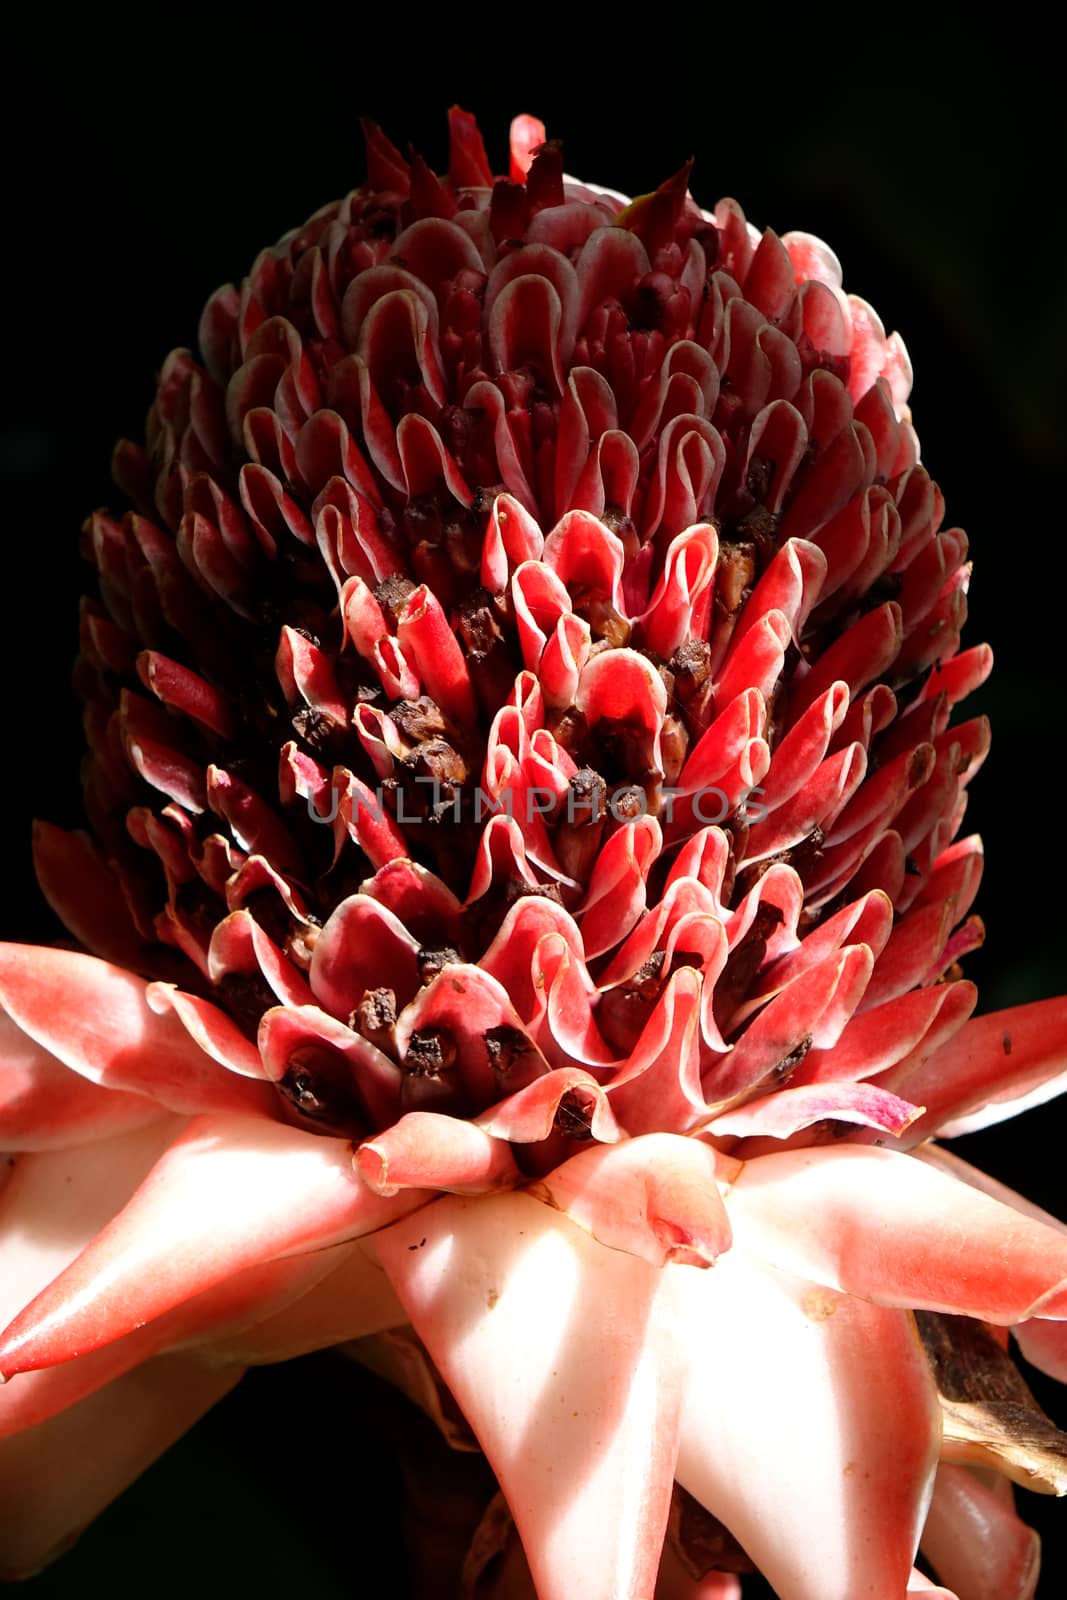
[524, 875]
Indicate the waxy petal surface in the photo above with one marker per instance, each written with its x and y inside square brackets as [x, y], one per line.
[811, 1428]
[554, 1348]
[45, 1106]
[976, 1542]
[895, 1230]
[54, 1202]
[95, 1018]
[230, 1193]
[654, 1196]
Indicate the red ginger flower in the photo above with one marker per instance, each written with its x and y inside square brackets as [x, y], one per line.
[526, 876]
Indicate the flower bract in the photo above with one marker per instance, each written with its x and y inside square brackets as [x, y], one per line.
[518, 931]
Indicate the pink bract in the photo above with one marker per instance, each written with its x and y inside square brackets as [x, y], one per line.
[520, 920]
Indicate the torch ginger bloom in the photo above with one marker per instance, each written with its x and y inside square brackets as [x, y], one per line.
[521, 920]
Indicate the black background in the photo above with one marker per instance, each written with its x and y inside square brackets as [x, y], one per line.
[144, 165]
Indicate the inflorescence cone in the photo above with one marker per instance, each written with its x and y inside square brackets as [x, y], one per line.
[525, 872]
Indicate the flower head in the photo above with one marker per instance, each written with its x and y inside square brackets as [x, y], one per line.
[525, 874]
